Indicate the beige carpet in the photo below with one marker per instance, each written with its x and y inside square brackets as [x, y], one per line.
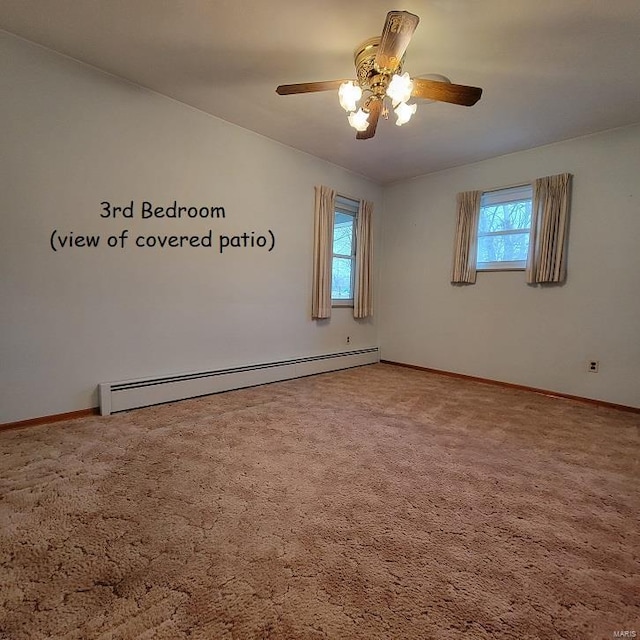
[378, 502]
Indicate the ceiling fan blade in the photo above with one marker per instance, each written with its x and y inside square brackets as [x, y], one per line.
[396, 35]
[446, 92]
[375, 109]
[309, 87]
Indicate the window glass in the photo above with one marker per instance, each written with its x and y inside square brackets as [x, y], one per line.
[504, 226]
[343, 234]
[344, 250]
[507, 216]
[341, 279]
[507, 248]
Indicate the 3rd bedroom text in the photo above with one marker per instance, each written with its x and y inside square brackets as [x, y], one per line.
[148, 210]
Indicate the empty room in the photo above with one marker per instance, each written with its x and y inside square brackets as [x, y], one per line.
[319, 320]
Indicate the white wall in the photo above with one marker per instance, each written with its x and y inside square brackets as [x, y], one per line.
[500, 328]
[73, 137]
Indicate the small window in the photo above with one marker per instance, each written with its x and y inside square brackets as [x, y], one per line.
[504, 226]
[344, 251]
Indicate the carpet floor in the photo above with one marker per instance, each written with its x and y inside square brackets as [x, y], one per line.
[378, 502]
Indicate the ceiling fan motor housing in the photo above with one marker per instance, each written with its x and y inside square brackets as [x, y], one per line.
[369, 76]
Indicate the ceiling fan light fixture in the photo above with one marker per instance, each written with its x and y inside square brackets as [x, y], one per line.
[349, 94]
[379, 63]
[359, 120]
[404, 112]
[400, 88]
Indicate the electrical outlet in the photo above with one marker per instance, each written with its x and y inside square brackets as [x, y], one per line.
[348, 339]
[594, 365]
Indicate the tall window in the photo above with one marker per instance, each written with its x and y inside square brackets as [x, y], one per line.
[504, 225]
[344, 251]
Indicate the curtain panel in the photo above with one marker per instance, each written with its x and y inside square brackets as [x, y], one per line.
[464, 251]
[547, 261]
[322, 252]
[363, 289]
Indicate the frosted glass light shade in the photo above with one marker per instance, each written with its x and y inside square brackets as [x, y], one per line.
[404, 112]
[400, 88]
[359, 120]
[349, 94]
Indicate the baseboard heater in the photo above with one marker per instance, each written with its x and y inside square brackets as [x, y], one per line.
[143, 392]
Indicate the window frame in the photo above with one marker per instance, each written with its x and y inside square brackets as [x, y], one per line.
[503, 195]
[350, 207]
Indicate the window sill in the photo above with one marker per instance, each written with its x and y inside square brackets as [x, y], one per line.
[503, 265]
[342, 303]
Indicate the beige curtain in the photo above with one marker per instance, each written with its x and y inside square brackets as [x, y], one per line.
[547, 260]
[464, 252]
[363, 291]
[322, 252]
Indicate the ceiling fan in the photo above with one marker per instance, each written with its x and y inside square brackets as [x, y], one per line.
[378, 63]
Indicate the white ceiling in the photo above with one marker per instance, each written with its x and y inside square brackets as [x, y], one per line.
[550, 69]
